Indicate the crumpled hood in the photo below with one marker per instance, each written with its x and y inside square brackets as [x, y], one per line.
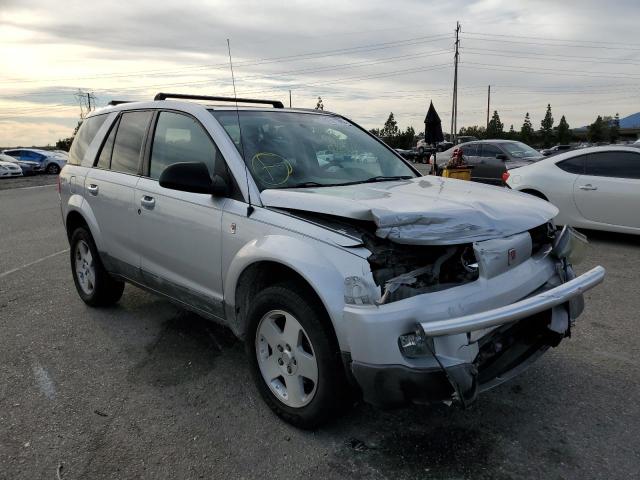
[424, 210]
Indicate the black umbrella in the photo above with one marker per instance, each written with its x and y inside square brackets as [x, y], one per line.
[432, 126]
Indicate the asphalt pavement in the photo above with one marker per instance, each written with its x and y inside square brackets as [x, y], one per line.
[147, 390]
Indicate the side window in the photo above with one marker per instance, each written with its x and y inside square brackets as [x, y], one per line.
[128, 143]
[490, 151]
[470, 150]
[614, 164]
[180, 138]
[104, 159]
[84, 137]
[573, 165]
[14, 153]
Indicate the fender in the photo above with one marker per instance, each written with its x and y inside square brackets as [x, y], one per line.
[77, 203]
[321, 271]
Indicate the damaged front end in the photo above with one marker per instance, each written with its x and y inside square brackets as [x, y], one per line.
[403, 271]
[473, 315]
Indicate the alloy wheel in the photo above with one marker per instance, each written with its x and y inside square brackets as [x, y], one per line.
[85, 269]
[286, 358]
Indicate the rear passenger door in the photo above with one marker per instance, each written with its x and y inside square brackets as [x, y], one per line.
[470, 153]
[180, 232]
[609, 190]
[109, 189]
[489, 168]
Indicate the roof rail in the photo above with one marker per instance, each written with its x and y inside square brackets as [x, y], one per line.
[118, 102]
[164, 96]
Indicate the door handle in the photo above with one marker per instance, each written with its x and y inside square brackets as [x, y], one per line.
[93, 189]
[148, 202]
[588, 186]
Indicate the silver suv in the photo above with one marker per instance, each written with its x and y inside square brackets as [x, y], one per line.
[345, 271]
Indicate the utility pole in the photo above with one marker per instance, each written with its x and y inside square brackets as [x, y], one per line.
[454, 106]
[89, 101]
[488, 104]
[289, 98]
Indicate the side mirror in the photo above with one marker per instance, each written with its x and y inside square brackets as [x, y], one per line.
[193, 177]
[501, 156]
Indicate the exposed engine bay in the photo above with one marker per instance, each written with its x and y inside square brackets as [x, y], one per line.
[404, 270]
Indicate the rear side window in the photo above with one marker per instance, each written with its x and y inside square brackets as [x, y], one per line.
[573, 165]
[614, 164]
[470, 149]
[128, 142]
[180, 138]
[84, 137]
[490, 151]
[104, 160]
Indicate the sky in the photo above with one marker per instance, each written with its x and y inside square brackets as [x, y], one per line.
[365, 59]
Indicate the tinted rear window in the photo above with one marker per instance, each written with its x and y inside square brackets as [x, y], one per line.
[614, 164]
[129, 139]
[84, 137]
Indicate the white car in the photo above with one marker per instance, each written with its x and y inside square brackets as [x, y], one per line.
[596, 187]
[9, 169]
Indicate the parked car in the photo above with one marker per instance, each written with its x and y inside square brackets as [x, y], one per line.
[49, 161]
[547, 152]
[465, 139]
[409, 288]
[9, 169]
[596, 187]
[28, 168]
[492, 160]
[423, 147]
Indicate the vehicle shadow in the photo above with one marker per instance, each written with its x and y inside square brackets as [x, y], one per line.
[625, 239]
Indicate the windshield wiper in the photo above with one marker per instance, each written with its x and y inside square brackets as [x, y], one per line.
[307, 185]
[382, 178]
[379, 178]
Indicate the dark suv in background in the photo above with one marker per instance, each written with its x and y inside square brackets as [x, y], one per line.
[492, 159]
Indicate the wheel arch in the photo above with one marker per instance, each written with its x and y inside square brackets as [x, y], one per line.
[276, 259]
[80, 214]
[535, 192]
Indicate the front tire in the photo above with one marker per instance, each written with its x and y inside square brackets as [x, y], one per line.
[94, 284]
[295, 359]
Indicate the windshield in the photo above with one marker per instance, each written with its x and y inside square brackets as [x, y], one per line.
[520, 150]
[289, 150]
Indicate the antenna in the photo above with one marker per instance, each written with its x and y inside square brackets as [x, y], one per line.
[235, 97]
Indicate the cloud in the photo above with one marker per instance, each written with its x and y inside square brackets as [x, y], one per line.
[352, 54]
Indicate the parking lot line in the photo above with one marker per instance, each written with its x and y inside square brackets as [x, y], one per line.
[26, 265]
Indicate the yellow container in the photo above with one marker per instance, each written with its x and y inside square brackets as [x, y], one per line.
[459, 173]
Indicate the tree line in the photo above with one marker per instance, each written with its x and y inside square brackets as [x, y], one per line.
[391, 134]
[603, 129]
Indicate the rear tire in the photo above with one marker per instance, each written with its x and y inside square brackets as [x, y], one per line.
[53, 169]
[94, 284]
[313, 354]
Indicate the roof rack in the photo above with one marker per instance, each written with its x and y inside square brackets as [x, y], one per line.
[118, 102]
[164, 96]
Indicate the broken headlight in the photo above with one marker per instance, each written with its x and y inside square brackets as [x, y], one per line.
[415, 344]
[356, 291]
[570, 244]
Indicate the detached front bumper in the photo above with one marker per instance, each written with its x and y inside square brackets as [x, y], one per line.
[468, 353]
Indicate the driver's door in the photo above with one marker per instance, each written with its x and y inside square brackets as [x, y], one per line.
[180, 232]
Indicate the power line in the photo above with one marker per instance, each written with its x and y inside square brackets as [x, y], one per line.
[521, 54]
[549, 39]
[550, 44]
[300, 56]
